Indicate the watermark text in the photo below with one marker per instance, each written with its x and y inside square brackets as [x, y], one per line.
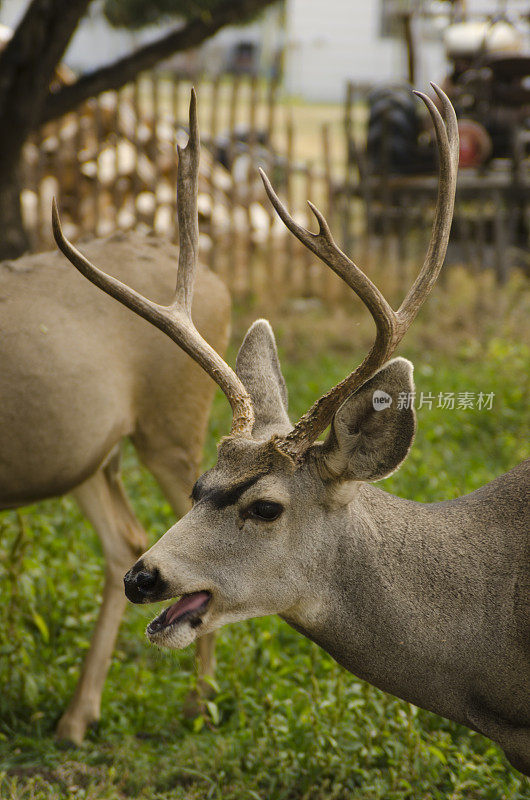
[479, 401]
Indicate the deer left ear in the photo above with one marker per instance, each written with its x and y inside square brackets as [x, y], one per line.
[373, 430]
[258, 366]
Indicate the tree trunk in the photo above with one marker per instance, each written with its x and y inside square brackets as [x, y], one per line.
[27, 65]
[13, 237]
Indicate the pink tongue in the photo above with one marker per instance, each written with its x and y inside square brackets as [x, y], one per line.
[187, 603]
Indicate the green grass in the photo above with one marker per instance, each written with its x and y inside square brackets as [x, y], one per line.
[286, 722]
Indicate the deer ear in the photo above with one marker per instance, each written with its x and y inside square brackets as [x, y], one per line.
[258, 367]
[372, 432]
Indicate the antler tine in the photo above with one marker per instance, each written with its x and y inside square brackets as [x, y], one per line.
[188, 217]
[391, 325]
[323, 245]
[448, 147]
[175, 320]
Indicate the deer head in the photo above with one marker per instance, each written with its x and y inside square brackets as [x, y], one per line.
[264, 516]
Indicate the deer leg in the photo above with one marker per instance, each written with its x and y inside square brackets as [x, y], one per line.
[103, 500]
[205, 655]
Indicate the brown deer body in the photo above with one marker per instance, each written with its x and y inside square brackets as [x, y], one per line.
[429, 602]
[77, 374]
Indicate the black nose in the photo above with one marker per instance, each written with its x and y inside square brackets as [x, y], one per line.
[142, 584]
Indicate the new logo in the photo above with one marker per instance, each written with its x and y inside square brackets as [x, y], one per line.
[381, 400]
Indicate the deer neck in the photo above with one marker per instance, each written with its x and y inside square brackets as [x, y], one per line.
[401, 593]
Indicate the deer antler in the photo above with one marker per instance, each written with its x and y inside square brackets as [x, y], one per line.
[175, 320]
[391, 325]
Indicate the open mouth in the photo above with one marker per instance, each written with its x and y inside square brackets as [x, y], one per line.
[190, 608]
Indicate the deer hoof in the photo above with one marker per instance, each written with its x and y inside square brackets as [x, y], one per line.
[72, 728]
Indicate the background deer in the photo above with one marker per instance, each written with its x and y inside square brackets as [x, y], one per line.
[77, 374]
[428, 602]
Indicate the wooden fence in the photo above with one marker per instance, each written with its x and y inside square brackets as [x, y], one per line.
[112, 165]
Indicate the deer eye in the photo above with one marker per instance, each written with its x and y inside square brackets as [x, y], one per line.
[264, 510]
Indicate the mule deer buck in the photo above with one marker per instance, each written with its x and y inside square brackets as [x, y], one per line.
[77, 374]
[428, 602]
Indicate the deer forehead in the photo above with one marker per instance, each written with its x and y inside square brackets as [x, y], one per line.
[245, 469]
[240, 459]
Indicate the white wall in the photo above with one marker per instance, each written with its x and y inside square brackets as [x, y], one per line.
[329, 41]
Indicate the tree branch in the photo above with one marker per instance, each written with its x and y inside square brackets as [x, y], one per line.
[28, 61]
[117, 74]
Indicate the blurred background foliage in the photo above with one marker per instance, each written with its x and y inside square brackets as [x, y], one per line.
[135, 14]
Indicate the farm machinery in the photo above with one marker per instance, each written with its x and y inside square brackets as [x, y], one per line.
[394, 174]
[489, 87]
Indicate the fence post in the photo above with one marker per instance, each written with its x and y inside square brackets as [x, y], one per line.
[96, 193]
[272, 99]
[136, 182]
[114, 137]
[250, 177]
[289, 276]
[233, 254]
[499, 222]
[214, 129]
[311, 274]
[329, 277]
[349, 167]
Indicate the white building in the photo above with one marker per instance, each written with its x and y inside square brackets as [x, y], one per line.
[329, 42]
